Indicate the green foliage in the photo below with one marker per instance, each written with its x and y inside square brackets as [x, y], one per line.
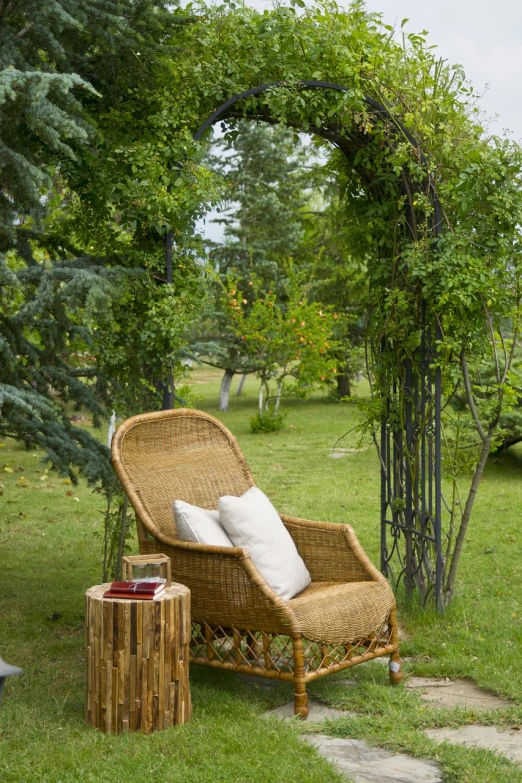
[45, 360]
[42, 121]
[268, 421]
[140, 335]
[86, 316]
[290, 340]
[509, 431]
[467, 279]
[263, 171]
[340, 278]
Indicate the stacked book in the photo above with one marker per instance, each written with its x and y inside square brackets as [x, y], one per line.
[143, 590]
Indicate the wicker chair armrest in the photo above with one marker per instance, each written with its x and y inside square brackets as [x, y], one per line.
[226, 587]
[331, 552]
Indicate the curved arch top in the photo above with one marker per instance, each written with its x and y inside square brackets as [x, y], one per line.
[310, 84]
[315, 85]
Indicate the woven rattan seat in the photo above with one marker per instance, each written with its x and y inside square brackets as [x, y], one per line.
[345, 617]
[321, 610]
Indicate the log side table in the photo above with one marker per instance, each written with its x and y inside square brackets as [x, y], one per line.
[137, 660]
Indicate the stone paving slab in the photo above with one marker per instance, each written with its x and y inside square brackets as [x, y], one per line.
[505, 741]
[445, 693]
[365, 764]
[318, 712]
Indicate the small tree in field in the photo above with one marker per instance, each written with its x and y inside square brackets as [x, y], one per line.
[291, 344]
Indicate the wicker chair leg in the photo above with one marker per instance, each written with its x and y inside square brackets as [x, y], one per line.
[300, 694]
[395, 670]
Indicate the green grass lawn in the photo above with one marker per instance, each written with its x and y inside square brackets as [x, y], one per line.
[51, 552]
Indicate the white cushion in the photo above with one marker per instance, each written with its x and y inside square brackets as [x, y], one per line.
[199, 525]
[252, 522]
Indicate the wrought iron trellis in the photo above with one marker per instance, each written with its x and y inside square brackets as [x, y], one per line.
[410, 444]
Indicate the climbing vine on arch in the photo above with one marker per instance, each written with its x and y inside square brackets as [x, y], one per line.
[456, 272]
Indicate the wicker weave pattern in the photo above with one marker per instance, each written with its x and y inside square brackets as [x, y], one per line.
[346, 616]
[181, 458]
[321, 610]
[272, 655]
[329, 551]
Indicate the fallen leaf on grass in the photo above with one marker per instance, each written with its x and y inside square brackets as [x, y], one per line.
[8, 469]
[68, 493]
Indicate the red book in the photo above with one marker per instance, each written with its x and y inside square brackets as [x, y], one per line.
[137, 587]
[133, 595]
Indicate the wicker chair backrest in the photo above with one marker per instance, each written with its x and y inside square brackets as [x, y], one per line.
[177, 455]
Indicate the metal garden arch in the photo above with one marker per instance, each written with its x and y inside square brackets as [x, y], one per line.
[411, 501]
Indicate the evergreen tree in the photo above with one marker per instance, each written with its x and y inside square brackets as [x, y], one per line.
[63, 63]
[340, 270]
[264, 171]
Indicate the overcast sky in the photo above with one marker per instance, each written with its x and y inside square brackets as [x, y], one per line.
[485, 36]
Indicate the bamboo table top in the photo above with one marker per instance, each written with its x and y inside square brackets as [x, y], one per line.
[173, 590]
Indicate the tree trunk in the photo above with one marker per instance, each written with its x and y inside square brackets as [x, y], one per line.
[241, 384]
[106, 533]
[123, 535]
[224, 392]
[168, 391]
[112, 427]
[278, 395]
[343, 385]
[260, 401]
[459, 543]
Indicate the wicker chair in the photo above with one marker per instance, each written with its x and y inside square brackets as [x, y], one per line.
[345, 617]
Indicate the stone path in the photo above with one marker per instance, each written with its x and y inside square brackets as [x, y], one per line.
[360, 762]
[446, 693]
[365, 764]
[505, 741]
